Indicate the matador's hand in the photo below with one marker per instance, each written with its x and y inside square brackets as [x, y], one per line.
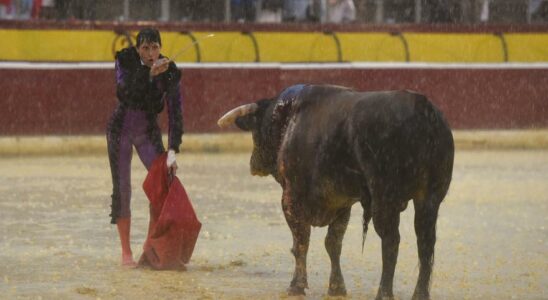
[159, 67]
[171, 163]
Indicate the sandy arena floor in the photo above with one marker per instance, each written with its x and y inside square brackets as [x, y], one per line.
[56, 241]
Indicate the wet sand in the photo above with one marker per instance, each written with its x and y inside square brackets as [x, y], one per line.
[56, 241]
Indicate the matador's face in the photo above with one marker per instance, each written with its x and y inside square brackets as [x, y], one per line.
[149, 52]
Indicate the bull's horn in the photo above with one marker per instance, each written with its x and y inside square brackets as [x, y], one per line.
[230, 117]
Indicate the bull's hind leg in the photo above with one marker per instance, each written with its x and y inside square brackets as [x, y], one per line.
[426, 214]
[333, 245]
[386, 221]
[301, 238]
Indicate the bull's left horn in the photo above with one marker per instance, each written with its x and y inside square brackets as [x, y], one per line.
[230, 117]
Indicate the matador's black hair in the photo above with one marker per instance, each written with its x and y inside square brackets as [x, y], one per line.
[148, 35]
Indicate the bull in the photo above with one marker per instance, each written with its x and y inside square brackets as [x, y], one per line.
[330, 147]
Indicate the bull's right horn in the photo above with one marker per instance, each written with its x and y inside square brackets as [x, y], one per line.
[230, 117]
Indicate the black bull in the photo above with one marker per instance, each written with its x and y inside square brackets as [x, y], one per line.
[330, 147]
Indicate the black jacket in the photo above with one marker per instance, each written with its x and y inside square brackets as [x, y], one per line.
[136, 90]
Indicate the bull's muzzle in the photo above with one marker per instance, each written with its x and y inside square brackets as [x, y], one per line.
[260, 173]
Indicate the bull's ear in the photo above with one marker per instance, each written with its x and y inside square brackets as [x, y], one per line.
[247, 122]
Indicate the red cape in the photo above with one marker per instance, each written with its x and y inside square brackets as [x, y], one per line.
[174, 227]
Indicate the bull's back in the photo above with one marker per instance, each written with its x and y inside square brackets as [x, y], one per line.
[328, 109]
[335, 104]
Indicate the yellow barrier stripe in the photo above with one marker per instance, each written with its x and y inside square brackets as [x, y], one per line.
[285, 66]
[287, 47]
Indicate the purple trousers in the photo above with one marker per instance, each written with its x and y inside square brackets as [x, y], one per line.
[128, 128]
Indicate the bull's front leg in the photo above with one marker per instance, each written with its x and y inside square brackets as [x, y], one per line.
[301, 238]
[333, 245]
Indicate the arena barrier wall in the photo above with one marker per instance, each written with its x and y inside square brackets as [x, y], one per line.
[77, 99]
[286, 43]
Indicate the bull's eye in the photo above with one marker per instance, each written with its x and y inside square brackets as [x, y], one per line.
[245, 123]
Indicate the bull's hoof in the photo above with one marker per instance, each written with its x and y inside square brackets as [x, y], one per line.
[295, 291]
[337, 291]
[420, 296]
[380, 296]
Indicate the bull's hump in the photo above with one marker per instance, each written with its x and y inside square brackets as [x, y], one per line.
[291, 93]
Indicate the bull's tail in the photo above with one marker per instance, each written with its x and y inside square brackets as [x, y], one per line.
[366, 205]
